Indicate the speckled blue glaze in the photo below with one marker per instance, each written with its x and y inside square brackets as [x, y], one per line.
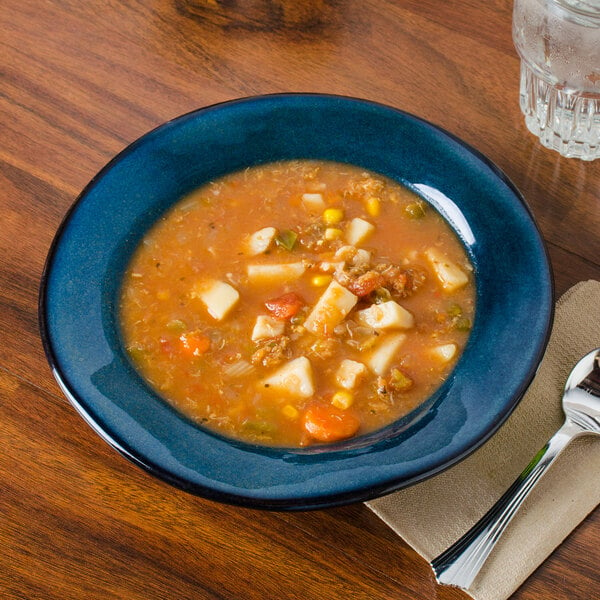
[81, 282]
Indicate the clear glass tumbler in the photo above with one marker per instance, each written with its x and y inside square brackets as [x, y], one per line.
[559, 45]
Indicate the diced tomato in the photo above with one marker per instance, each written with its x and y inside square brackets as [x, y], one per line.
[367, 283]
[285, 307]
[194, 343]
[165, 345]
[326, 423]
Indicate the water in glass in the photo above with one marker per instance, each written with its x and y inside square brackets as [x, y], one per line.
[559, 45]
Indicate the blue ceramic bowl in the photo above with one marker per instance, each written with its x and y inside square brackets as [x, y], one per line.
[80, 288]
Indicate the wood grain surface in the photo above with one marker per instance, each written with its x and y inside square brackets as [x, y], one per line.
[79, 81]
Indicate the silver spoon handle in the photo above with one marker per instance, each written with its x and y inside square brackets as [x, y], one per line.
[460, 563]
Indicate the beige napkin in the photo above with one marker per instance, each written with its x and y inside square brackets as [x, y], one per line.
[433, 514]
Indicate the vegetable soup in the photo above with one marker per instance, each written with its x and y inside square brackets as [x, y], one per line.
[297, 303]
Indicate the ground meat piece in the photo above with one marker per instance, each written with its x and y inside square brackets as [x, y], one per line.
[311, 237]
[403, 282]
[347, 275]
[363, 280]
[365, 186]
[272, 351]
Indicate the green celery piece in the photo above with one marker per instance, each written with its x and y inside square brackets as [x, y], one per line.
[286, 239]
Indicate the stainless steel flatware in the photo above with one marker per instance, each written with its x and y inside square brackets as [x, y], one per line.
[460, 563]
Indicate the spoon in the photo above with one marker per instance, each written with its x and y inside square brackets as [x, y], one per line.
[460, 563]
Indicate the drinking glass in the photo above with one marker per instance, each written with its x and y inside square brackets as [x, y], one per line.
[559, 45]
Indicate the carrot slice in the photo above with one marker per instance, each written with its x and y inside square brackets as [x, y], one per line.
[284, 307]
[194, 343]
[326, 423]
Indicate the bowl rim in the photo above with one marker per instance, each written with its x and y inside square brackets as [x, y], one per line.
[295, 500]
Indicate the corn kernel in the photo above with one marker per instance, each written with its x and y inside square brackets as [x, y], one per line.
[163, 294]
[332, 216]
[342, 399]
[373, 206]
[320, 280]
[333, 233]
[290, 411]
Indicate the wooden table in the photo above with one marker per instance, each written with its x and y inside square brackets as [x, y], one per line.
[80, 81]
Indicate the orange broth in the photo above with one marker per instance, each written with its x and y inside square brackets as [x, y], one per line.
[298, 302]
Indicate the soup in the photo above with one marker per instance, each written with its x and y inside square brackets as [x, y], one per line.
[297, 303]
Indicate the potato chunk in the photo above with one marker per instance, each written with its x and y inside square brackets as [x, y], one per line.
[445, 352]
[218, 297]
[267, 327]
[358, 231]
[294, 378]
[381, 357]
[349, 373]
[330, 310]
[260, 241]
[387, 315]
[313, 203]
[275, 273]
[450, 275]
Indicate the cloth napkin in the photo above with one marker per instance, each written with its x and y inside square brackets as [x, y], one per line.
[431, 515]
